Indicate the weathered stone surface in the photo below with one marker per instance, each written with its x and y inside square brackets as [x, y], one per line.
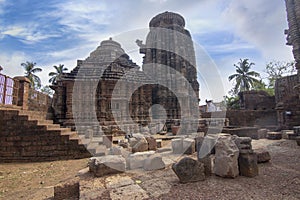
[298, 141]
[154, 162]
[188, 145]
[205, 145]
[104, 165]
[115, 150]
[137, 160]
[262, 133]
[67, 190]
[189, 170]
[132, 141]
[207, 162]
[158, 143]
[274, 136]
[118, 181]
[262, 155]
[226, 157]
[151, 143]
[177, 145]
[286, 133]
[243, 143]
[140, 146]
[248, 164]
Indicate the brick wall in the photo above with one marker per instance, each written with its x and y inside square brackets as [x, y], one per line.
[26, 140]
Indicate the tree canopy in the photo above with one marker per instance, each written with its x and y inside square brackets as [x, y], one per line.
[30, 70]
[244, 78]
[59, 70]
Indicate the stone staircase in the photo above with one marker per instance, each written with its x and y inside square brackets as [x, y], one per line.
[27, 136]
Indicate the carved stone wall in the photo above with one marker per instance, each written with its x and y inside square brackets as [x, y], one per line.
[169, 49]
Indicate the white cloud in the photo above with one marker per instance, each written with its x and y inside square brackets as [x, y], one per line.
[11, 63]
[28, 34]
[262, 23]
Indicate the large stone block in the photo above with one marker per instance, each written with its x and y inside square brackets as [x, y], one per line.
[262, 155]
[205, 145]
[140, 146]
[274, 136]
[248, 164]
[137, 160]
[188, 145]
[243, 143]
[262, 133]
[207, 162]
[189, 170]
[152, 145]
[105, 165]
[226, 157]
[154, 162]
[177, 145]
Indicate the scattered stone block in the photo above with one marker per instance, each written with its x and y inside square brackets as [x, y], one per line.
[158, 143]
[226, 157]
[132, 141]
[189, 170]
[207, 162]
[165, 149]
[262, 133]
[296, 130]
[248, 164]
[286, 133]
[137, 160]
[67, 190]
[262, 155]
[243, 143]
[177, 145]
[140, 146]
[274, 136]
[154, 162]
[115, 150]
[298, 141]
[151, 143]
[110, 164]
[205, 145]
[188, 145]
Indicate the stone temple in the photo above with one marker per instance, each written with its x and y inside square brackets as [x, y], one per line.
[108, 76]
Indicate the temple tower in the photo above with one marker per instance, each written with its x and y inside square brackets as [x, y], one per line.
[169, 45]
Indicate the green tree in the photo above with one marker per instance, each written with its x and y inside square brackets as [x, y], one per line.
[278, 69]
[260, 85]
[244, 78]
[30, 70]
[55, 75]
[47, 90]
[231, 103]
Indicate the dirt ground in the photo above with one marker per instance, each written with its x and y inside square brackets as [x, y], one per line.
[278, 179]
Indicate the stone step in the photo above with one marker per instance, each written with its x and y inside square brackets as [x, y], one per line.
[71, 134]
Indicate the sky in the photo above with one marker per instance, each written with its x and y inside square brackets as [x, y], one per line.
[56, 32]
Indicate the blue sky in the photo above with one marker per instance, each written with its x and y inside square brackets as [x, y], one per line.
[60, 32]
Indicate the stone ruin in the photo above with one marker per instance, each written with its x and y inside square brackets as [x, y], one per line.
[227, 155]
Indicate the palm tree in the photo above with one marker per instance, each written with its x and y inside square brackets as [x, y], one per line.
[55, 75]
[244, 78]
[30, 71]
